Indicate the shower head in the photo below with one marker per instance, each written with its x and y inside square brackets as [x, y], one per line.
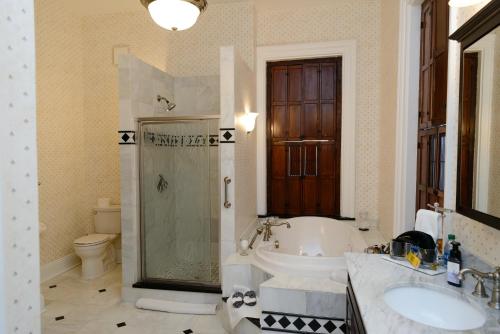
[169, 105]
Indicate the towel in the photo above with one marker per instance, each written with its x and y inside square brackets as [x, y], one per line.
[245, 311]
[175, 307]
[429, 222]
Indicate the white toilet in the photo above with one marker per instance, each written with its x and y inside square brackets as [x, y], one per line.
[97, 250]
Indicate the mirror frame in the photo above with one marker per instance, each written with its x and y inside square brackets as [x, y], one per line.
[482, 23]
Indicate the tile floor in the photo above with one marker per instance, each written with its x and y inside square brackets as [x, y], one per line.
[95, 307]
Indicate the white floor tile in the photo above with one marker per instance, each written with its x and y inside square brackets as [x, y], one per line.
[88, 311]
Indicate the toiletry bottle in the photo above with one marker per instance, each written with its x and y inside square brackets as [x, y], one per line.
[447, 248]
[454, 265]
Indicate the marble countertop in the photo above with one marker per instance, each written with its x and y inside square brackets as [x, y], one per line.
[371, 276]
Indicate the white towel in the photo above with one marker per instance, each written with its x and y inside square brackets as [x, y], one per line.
[236, 314]
[429, 222]
[175, 307]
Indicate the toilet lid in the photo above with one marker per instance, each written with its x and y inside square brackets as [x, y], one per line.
[92, 239]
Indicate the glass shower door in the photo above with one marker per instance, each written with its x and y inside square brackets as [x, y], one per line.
[179, 204]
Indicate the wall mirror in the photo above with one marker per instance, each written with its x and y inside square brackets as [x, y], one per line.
[478, 174]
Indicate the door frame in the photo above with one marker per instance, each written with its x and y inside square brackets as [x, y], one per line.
[347, 50]
[405, 181]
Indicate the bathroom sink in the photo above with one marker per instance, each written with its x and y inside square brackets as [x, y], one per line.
[431, 307]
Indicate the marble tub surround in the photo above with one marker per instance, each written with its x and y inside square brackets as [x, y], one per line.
[371, 276]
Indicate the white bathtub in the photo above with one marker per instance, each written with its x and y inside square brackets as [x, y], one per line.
[312, 247]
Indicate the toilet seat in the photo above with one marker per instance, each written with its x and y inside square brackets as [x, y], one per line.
[94, 239]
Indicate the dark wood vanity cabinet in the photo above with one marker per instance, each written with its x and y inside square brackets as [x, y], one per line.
[353, 320]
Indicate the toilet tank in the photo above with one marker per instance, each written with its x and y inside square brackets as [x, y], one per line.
[107, 220]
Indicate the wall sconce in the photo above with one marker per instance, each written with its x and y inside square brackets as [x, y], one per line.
[248, 121]
[463, 3]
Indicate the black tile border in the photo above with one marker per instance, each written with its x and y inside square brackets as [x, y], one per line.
[178, 286]
[126, 137]
[227, 136]
[303, 324]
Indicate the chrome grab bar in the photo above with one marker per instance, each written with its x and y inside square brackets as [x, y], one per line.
[307, 141]
[227, 181]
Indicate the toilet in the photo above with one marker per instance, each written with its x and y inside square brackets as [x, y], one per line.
[97, 250]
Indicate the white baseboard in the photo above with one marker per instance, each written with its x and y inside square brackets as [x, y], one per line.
[59, 266]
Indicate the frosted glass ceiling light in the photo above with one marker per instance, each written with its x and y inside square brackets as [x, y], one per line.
[175, 14]
[463, 3]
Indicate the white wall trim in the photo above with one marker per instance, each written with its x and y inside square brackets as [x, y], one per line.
[486, 49]
[59, 266]
[345, 49]
[407, 116]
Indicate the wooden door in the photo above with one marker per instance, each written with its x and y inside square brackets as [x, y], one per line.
[304, 122]
[468, 127]
[432, 103]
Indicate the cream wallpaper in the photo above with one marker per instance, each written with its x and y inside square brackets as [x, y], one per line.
[388, 104]
[59, 50]
[195, 52]
[342, 20]
[78, 114]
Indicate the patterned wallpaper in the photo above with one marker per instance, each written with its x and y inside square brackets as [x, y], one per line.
[59, 41]
[340, 20]
[19, 262]
[78, 113]
[195, 52]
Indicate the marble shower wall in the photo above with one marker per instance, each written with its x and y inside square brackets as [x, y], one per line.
[238, 151]
[139, 85]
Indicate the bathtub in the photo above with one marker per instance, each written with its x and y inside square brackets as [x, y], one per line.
[312, 247]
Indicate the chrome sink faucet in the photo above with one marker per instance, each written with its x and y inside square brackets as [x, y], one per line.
[271, 222]
[479, 289]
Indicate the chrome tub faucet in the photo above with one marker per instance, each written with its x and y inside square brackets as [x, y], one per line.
[480, 290]
[271, 222]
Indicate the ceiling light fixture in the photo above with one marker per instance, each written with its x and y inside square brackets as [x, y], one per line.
[463, 3]
[175, 14]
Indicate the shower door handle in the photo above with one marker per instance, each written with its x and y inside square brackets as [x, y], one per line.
[227, 181]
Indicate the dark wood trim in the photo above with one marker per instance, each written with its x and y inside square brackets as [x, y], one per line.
[478, 26]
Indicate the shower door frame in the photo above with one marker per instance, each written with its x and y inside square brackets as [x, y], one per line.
[168, 284]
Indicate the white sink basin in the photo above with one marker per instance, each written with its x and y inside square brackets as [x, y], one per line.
[434, 308]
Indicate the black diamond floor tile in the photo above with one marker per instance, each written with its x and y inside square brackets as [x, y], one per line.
[299, 324]
[330, 326]
[314, 325]
[284, 322]
[269, 320]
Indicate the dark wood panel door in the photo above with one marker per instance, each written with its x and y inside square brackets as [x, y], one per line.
[468, 128]
[432, 103]
[304, 122]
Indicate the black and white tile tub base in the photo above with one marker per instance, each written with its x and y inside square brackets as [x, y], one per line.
[300, 324]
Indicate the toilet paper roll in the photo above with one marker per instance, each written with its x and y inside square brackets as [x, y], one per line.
[104, 202]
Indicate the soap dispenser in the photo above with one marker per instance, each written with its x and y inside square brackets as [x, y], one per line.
[454, 265]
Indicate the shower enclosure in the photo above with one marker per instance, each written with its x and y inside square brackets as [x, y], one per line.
[179, 196]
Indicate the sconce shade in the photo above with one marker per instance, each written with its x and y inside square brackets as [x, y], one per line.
[248, 120]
